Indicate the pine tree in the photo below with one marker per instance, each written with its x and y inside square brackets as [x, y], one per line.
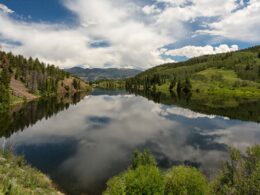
[179, 87]
[187, 86]
[172, 84]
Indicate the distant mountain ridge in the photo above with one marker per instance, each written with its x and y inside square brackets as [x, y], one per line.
[99, 73]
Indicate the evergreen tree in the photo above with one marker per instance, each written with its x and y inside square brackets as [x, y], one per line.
[187, 87]
[179, 87]
[172, 84]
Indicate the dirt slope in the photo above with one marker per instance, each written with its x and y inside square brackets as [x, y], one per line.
[19, 89]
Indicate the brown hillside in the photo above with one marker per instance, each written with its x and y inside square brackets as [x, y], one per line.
[19, 90]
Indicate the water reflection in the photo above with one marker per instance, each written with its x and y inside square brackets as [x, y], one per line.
[25, 115]
[247, 109]
[83, 146]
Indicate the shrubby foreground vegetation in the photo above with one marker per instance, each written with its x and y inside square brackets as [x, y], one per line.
[240, 175]
[17, 178]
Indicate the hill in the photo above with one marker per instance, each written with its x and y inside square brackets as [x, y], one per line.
[23, 79]
[102, 74]
[232, 74]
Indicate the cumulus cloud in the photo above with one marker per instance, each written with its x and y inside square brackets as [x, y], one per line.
[151, 9]
[134, 32]
[194, 51]
[132, 43]
[243, 24]
[5, 9]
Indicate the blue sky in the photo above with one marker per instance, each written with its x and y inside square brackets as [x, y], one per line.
[126, 33]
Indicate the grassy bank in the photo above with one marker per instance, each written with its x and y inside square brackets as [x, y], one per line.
[218, 82]
[18, 178]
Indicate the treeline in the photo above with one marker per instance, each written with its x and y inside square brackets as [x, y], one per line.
[239, 175]
[109, 84]
[5, 78]
[39, 78]
[151, 82]
[246, 64]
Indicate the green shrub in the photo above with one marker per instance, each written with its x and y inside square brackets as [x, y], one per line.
[142, 180]
[184, 180]
[142, 177]
[116, 186]
[239, 175]
[18, 178]
[142, 158]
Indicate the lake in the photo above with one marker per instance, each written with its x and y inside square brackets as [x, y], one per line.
[82, 141]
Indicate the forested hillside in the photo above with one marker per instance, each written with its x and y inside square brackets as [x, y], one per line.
[229, 73]
[95, 74]
[26, 79]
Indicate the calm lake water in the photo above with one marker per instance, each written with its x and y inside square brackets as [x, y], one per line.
[83, 141]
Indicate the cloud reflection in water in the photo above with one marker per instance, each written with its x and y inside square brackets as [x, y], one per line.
[94, 139]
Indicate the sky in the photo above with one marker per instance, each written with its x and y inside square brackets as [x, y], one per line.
[136, 34]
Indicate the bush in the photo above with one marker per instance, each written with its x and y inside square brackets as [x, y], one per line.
[239, 175]
[144, 158]
[184, 181]
[142, 180]
[142, 177]
[116, 186]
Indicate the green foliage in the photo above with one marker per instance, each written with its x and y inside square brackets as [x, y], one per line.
[41, 79]
[172, 84]
[245, 64]
[142, 177]
[142, 180]
[109, 84]
[183, 180]
[187, 86]
[239, 175]
[217, 77]
[142, 159]
[18, 118]
[17, 178]
[4, 82]
[76, 84]
[116, 186]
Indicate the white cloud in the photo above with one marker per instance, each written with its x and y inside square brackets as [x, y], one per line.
[135, 32]
[151, 9]
[194, 51]
[132, 42]
[5, 9]
[243, 24]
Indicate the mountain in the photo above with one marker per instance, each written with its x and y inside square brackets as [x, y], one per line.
[100, 74]
[232, 74]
